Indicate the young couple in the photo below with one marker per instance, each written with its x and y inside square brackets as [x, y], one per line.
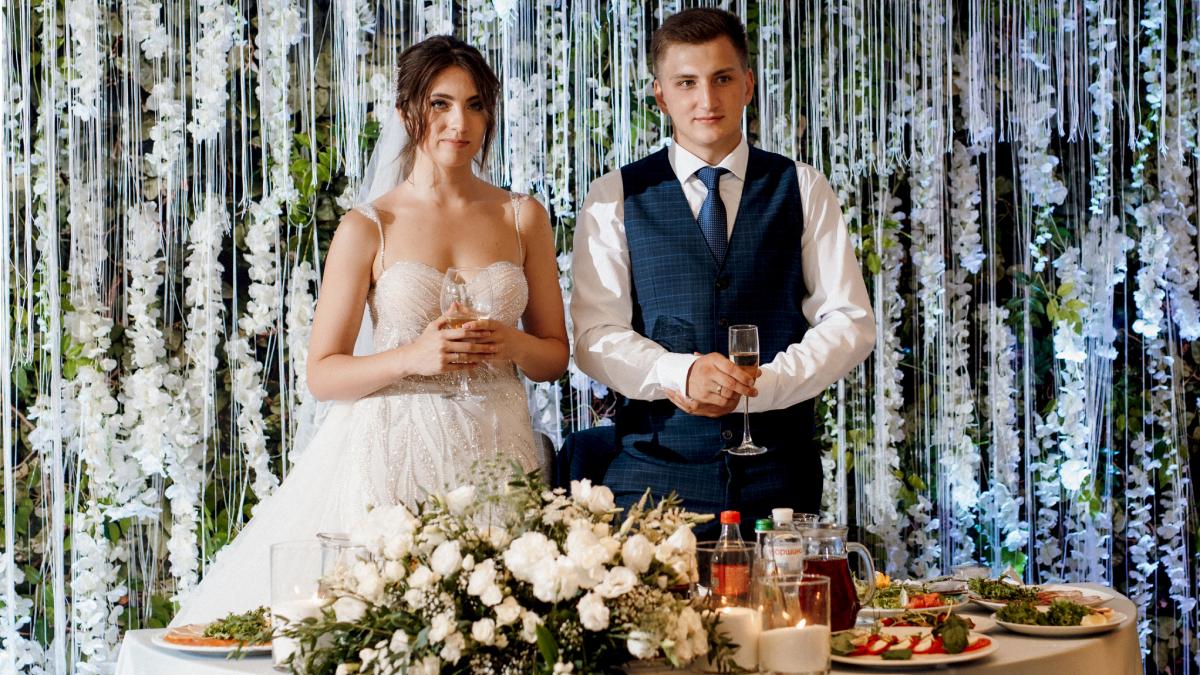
[669, 252]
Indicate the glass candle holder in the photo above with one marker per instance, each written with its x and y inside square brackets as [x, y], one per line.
[295, 592]
[725, 574]
[795, 615]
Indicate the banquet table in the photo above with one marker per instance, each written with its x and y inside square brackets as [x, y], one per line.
[1112, 653]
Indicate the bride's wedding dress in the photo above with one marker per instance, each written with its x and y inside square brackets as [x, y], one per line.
[393, 446]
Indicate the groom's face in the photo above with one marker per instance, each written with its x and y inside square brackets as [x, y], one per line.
[704, 88]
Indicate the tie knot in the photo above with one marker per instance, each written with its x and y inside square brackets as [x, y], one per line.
[710, 175]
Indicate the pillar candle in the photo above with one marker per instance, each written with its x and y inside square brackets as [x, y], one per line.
[795, 649]
[286, 613]
[742, 625]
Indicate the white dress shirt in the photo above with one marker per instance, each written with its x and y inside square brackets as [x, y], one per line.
[841, 325]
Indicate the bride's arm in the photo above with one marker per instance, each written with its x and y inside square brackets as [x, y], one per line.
[541, 351]
[334, 373]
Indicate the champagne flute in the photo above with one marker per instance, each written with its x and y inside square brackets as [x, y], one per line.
[464, 300]
[743, 351]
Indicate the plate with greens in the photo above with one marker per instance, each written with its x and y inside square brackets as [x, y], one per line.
[952, 642]
[1062, 618]
[247, 633]
[894, 598]
[996, 593]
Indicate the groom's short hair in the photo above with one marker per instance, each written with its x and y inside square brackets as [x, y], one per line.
[696, 26]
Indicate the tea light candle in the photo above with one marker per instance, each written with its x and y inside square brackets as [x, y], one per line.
[795, 649]
[286, 613]
[742, 625]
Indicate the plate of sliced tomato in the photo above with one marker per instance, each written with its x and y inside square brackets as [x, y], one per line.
[898, 647]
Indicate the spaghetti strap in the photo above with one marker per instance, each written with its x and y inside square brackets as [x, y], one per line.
[369, 211]
[517, 198]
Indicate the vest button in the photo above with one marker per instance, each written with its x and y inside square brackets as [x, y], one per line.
[727, 434]
[723, 322]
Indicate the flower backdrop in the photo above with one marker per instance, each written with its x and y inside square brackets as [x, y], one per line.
[1020, 177]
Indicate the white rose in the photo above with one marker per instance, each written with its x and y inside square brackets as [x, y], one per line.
[593, 613]
[528, 553]
[468, 562]
[595, 498]
[556, 579]
[491, 596]
[366, 580]
[617, 582]
[446, 558]
[482, 576]
[421, 577]
[394, 570]
[399, 642]
[561, 668]
[636, 553]
[590, 553]
[458, 500]
[508, 611]
[452, 648]
[529, 623]
[641, 645]
[430, 665]
[348, 608]
[696, 632]
[442, 626]
[483, 631]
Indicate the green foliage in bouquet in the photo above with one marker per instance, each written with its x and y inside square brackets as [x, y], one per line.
[512, 577]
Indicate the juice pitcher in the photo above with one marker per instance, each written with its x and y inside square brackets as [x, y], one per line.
[825, 553]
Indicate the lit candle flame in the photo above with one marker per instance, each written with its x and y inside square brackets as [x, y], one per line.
[801, 624]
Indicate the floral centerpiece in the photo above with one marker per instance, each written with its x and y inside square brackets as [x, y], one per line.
[512, 577]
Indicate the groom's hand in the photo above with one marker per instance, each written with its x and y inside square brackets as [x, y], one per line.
[694, 407]
[714, 387]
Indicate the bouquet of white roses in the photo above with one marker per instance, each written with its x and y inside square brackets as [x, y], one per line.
[511, 577]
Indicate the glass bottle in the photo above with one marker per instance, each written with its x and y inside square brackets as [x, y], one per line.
[787, 548]
[731, 563]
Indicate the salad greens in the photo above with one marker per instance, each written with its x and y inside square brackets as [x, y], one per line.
[993, 589]
[248, 628]
[1061, 613]
[955, 633]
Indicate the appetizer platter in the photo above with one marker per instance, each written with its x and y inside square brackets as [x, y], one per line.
[950, 642]
[996, 593]
[1062, 618]
[893, 598]
[933, 620]
[248, 633]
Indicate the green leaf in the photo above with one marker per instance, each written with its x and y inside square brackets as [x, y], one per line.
[546, 645]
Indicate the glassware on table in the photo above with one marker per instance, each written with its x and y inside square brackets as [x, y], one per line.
[796, 627]
[743, 351]
[725, 573]
[826, 553]
[338, 555]
[465, 299]
[296, 592]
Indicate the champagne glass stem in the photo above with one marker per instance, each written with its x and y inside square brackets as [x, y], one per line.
[746, 440]
[464, 391]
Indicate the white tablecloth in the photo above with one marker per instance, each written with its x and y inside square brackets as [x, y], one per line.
[1113, 653]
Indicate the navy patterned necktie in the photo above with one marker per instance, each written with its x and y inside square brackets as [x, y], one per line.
[712, 219]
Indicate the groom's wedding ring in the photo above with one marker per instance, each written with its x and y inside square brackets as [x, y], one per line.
[719, 390]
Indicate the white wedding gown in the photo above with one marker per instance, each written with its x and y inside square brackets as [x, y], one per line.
[395, 445]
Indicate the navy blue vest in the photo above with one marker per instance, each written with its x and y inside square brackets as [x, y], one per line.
[685, 301]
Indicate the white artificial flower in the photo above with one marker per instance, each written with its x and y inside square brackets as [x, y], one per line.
[460, 499]
[483, 631]
[507, 611]
[441, 627]
[446, 558]
[349, 608]
[421, 577]
[595, 498]
[618, 581]
[593, 613]
[637, 552]
[641, 645]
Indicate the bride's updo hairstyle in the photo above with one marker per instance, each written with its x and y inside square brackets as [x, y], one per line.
[415, 72]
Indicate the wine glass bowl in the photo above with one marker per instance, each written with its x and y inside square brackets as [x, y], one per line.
[466, 296]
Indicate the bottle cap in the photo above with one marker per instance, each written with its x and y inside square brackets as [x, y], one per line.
[730, 518]
[782, 517]
[763, 525]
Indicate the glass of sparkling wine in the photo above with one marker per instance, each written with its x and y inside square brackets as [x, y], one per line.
[465, 297]
[743, 351]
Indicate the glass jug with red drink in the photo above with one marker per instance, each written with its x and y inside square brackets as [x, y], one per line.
[825, 552]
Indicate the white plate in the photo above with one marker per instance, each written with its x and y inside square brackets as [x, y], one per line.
[918, 660]
[880, 612]
[249, 650]
[1091, 597]
[1115, 620]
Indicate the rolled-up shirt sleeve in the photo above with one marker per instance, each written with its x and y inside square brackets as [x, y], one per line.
[841, 329]
[607, 348]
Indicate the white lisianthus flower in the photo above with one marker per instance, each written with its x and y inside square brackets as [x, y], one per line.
[594, 498]
[637, 552]
[508, 611]
[590, 553]
[593, 613]
[617, 582]
[483, 631]
[349, 608]
[557, 579]
[641, 645]
[446, 558]
[422, 577]
[452, 648]
[387, 531]
[528, 553]
[460, 499]
[441, 626]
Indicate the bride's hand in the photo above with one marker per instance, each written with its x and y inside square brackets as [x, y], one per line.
[440, 349]
[496, 334]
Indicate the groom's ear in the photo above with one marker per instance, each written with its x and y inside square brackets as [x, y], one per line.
[658, 97]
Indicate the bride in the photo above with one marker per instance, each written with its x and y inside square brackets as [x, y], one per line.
[395, 436]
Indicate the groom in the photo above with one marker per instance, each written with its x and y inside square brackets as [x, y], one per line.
[673, 249]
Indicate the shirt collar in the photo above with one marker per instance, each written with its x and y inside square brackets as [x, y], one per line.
[686, 164]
